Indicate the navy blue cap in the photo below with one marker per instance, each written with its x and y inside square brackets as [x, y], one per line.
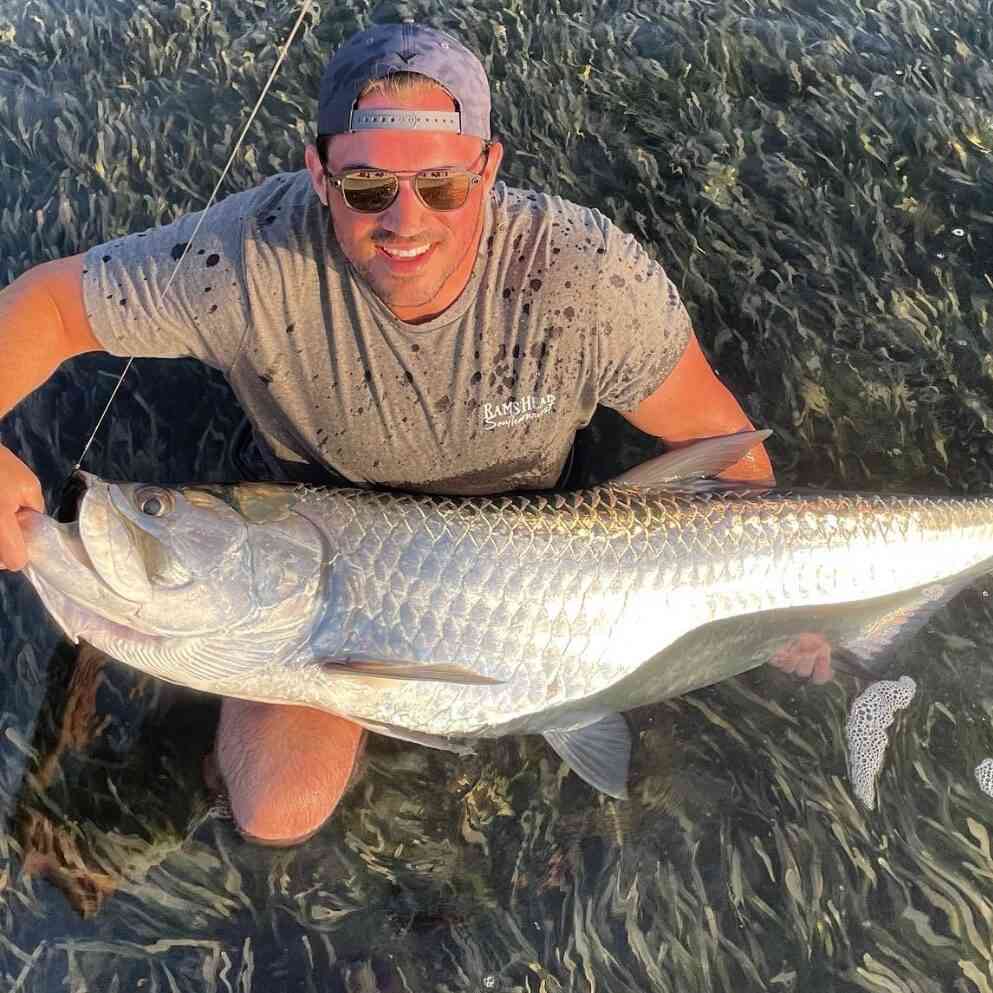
[389, 48]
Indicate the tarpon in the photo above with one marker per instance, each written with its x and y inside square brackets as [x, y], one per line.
[441, 619]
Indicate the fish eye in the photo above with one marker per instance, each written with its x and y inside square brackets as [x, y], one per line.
[154, 503]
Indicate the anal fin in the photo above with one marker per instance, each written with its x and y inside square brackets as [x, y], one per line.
[599, 753]
[895, 620]
[416, 737]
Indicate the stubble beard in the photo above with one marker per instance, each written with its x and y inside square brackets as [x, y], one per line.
[416, 292]
[405, 293]
[392, 292]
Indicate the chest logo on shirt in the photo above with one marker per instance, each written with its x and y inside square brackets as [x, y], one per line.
[529, 408]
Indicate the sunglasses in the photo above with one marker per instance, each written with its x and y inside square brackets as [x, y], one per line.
[371, 191]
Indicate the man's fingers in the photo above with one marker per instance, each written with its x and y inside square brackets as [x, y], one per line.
[807, 656]
[823, 671]
[19, 490]
[32, 496]
[783, 660]
[13, 554]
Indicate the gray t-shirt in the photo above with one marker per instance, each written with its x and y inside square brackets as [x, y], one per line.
[562, 312]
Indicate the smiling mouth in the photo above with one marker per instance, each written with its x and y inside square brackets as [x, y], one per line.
[406, 253]
[407, 259]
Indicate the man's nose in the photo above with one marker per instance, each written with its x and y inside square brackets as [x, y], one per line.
[406, 214]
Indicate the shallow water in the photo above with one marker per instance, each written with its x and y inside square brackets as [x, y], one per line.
[817, 180]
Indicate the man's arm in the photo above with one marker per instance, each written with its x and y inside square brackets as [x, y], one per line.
[693, 403]
[42, 323]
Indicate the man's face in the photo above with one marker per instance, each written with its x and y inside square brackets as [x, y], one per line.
[413, 288]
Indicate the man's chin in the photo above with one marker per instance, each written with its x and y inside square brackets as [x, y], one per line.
[405, 292]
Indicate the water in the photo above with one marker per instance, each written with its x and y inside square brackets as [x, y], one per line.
[817, 181]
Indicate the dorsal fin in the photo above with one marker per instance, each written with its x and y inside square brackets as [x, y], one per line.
[684, 468]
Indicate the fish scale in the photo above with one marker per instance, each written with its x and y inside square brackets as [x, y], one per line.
[437, 618]
[579, 590]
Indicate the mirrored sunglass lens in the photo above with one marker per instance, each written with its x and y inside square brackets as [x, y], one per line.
[443, 192]
[370, 194]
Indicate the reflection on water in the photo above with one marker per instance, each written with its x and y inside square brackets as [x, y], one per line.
[816, 182]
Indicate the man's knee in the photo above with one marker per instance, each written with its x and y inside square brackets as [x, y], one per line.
[285, 768]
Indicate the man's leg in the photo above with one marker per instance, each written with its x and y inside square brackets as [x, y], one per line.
[285, 768]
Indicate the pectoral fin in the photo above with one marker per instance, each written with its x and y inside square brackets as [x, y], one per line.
[688, 468]
[439, 672]
[600, 753]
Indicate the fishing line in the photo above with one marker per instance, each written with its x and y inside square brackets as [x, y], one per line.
[304, 10]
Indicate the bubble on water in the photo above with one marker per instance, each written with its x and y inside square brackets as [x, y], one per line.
[940, 255]
[958, 232]
[871, 713]
[984, 776]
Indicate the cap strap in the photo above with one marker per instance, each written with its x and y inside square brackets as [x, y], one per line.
[405, 120]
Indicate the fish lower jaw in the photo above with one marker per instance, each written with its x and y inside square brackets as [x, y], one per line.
[77, 620]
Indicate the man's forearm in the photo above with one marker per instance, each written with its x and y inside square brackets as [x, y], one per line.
[693, 404]
[42, 324]
[754, 467]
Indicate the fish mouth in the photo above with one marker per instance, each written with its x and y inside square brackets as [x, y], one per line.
[68, 567]
[83, 524]
[72, 542]
[78, 620]
[72, 498]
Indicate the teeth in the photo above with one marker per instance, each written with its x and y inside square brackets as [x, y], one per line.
[408, 253]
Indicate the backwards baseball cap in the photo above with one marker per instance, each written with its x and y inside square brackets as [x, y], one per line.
[390, 48]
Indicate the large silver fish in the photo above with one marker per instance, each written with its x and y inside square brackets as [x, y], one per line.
[440, 619]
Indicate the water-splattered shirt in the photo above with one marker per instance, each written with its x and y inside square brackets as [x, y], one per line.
[562, 312]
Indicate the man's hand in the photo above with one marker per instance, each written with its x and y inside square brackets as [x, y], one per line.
[19, 489]
[807, 656]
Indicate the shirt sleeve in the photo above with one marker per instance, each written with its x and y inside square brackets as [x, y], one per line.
[642, 326]
[202, 313]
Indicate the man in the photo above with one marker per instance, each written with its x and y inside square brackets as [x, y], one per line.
[393, 314]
